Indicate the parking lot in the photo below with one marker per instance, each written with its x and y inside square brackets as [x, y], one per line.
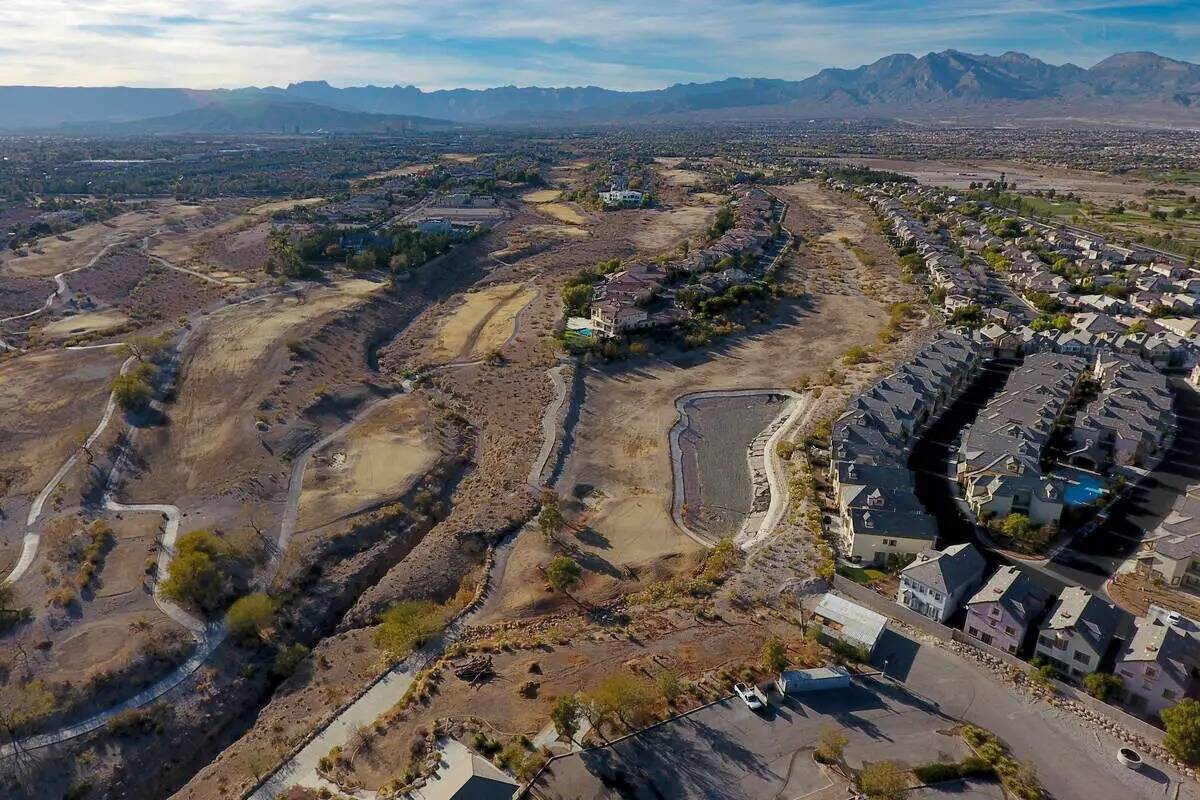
[727, 751]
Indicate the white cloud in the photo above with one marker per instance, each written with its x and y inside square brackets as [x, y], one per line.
[619, 43]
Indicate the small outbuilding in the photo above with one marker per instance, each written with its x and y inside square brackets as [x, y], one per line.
[849, 623]
[819, 679]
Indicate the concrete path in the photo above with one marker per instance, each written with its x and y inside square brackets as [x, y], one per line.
[29, 547]
[776, 471]
[550, 424]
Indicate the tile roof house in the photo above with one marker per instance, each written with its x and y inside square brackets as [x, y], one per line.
[1171, 553]
[1131, 418]
[998, 461]
[1001, 612]
[1077, 635]
[1161, 664]
[938, 581]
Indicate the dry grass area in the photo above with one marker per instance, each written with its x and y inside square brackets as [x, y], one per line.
[380, 458]
[562, 212]
[663, 230]
[48, 397]
[89, 322]
[53, 255]
[483, 322]
[461, 158]
[542, 196]
[286, 205]
[669, 171]
[103, 639]
[223, 376]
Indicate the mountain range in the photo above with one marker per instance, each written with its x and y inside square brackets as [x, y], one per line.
[1127, 88]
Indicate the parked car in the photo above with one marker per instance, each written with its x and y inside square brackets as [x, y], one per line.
[752, 696]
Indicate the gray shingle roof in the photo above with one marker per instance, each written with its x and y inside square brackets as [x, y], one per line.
[947, 570]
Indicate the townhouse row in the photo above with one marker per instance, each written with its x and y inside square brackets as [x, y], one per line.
[1158, 665]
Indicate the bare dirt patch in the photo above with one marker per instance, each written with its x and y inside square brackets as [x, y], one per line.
[47, 397]
[662, 230]
[379, 458]
[223, 376]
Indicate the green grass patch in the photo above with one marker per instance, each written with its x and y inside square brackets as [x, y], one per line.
[867, 576]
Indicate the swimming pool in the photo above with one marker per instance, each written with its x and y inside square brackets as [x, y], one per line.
[1082, 488]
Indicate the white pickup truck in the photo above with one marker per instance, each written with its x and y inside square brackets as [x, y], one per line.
[752, 696]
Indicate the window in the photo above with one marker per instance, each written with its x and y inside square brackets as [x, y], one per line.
[1168, 694]
[1060, 644]
[1082, 658]
[1010, 630]
[972, 630]
[1151, 672]
[995, 612]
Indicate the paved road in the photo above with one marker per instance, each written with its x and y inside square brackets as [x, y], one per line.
[1074, 762]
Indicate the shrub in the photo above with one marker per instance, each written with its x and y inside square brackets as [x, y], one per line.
[250, 616]
[1103, 685]
[406, 625]
[289, 659]
[131, 392]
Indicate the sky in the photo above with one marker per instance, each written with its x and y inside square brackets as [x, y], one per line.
[619, 44]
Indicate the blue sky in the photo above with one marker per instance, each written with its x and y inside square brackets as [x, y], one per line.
[624, 44]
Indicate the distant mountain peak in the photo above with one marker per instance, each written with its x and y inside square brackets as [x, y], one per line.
[939, 84]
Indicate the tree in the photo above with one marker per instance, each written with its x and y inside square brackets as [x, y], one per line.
[144, 348]
[564, 575]
[833, 744]
[576, 299]
[1017, 526]
[883, 780]
[550, 518]
[406, 625]
[283, 257]
[82, 436]
[250, 616]
[197, 572]
[669, 685]
[565, 715]
[1183, 731]
[774, 655]
[625, 698]
[1103, 685]
[131, 392]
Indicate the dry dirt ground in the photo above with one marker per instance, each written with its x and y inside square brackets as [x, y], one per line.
[669, 171]
[563, 656]
[48, 399]
[53, 255]
[959, 175]
[231, 367]
[228, 242]
[90, 650]
[381, 457]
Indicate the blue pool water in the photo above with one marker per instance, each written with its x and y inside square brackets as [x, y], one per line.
[1082, 489]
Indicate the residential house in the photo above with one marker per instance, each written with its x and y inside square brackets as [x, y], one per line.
[1078, 633]
[1171, 553]
[937, 582]
[1161, 664]
[1001, 612]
